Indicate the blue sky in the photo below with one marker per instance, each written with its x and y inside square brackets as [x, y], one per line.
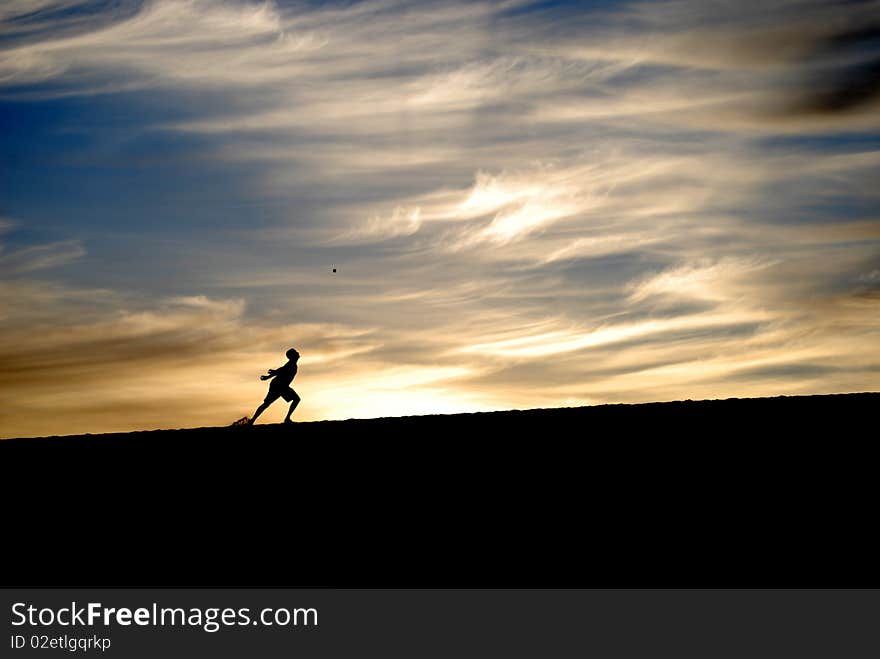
[528, 204]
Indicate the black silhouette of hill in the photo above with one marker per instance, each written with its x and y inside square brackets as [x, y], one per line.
[688, 418]
[771, 491]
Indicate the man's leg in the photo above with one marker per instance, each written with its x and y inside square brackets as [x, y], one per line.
[293, 403]
[262, 408]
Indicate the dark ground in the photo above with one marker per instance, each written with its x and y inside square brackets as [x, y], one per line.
[742, 492]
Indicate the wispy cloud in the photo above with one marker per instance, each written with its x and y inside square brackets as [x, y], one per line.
[526, 205]
[40, 257]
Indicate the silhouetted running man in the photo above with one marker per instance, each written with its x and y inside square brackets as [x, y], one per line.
[280, 387]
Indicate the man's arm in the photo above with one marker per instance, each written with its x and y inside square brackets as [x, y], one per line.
[272, 373]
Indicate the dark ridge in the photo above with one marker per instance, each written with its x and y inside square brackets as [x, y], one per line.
[775, 492]
[780, 409]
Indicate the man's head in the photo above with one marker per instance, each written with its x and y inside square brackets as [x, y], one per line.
[292, 354]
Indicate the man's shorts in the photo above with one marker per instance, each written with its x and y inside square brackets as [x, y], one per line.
[287, 393]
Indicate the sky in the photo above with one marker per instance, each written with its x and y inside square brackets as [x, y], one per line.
[528, 204]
